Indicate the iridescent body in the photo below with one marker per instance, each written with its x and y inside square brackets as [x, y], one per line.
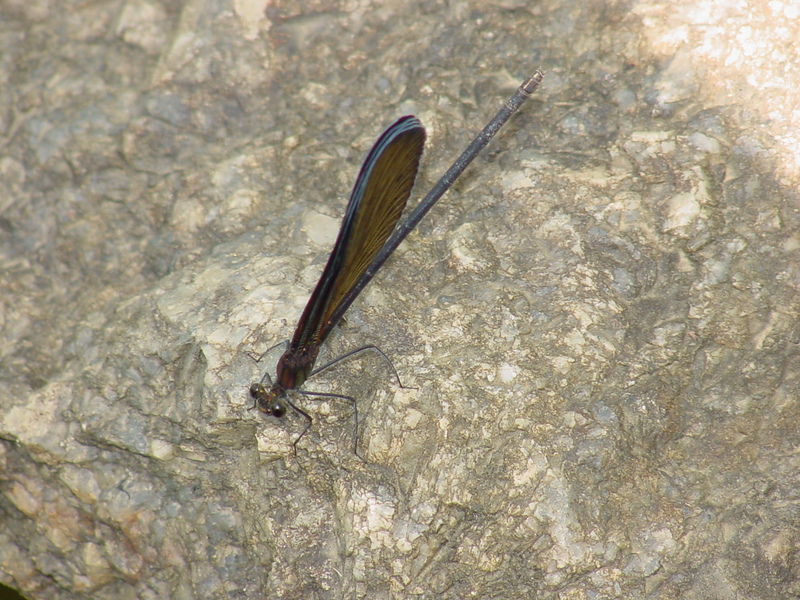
[379, 197]
[381, 192]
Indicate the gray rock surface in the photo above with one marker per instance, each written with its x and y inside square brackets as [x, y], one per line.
[599, 322]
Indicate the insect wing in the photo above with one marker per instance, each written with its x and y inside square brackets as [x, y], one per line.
[380, 194]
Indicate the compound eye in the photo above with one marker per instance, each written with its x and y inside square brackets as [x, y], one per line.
[277, 409]
[257, 390]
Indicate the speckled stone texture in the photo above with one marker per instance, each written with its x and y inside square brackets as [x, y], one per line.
[597, 328]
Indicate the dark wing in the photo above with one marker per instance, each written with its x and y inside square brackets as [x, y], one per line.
[376, 204]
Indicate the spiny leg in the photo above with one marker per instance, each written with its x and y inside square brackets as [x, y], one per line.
[351, 400]
[307, 417]
[257, 358]
[266, 378]
[359, 351]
